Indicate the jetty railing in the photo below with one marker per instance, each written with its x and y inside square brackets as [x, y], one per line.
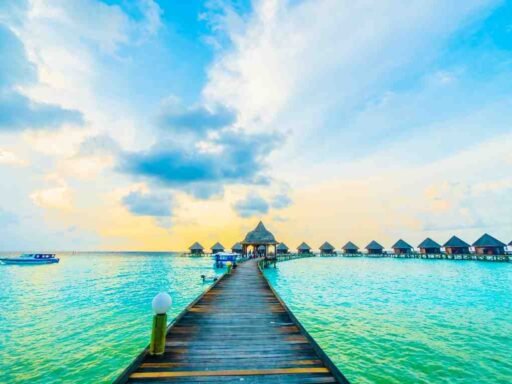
[506, 257]
[266, 261]
[418, 255]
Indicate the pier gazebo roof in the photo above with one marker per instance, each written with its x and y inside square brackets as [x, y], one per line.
[456, 242]
[217, 247]
[304, 247]
[196, 247]
[400, 244]
[282, 247]
[350, 246]
[259, 236]
[327, 247]
[374, 246]
[429, 243]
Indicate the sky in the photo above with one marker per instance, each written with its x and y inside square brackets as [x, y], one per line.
[148, 125]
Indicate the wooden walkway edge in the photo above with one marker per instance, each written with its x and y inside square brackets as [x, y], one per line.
[239, 330]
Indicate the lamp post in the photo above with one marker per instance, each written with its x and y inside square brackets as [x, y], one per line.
[161, 304]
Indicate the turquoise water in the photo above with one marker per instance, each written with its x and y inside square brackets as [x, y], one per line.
[405, 321]
[84, 320]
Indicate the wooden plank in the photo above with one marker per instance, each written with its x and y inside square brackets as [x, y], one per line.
[274, 379]
[239, 372]
[169, 365]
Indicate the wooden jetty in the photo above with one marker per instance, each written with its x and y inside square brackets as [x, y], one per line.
[237, 331]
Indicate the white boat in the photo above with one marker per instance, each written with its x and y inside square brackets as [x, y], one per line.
[31, 259]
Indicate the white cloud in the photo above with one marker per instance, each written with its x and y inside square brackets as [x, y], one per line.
[324, 73]
[95, 22]
[74, 45]
[57, 197]
[292, 62]
[10, 158]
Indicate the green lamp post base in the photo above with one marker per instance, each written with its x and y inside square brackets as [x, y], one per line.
[157, 345]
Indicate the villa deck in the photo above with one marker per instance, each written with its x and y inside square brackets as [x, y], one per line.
[238, 331]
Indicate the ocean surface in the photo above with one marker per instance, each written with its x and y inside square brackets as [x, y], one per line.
[407, 320]
[85, 319]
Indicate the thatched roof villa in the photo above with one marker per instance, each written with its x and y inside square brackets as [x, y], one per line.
[488, 245]
[282, 249]
[196, 249]
[401, 247]
[217, 247]
[374, 248]
[350, 247]
[430, 247]
[237, 248]
[260, 239]
[327, 248]
[456, 246]
[303, 248]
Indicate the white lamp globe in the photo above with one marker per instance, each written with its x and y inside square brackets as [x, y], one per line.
[161, 303]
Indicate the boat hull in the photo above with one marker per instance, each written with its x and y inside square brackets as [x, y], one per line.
[28, 262]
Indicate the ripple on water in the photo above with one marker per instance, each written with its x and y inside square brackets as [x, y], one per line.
[405, 321]
[84, 319]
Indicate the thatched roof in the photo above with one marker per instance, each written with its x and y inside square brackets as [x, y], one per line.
[217, 247]
[488, 241]
[196, 247]
[282, 247]
[350, 246]
[456, 242]
[400, 244]
[510, 243]
[260, 235]
[374, 246]
[304, 247]
[237, 247]
[429, 243]
[327, 247]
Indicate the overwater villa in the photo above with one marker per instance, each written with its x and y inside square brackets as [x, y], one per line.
[456, 246]
[488, 245]
[327, 249]
[402, 248]
[303, 249]
[259, 241]
[374, 248]
[217, 247]
[282, 249]
[350, 247]
[429, 247]
[237, 248]
[196, 249]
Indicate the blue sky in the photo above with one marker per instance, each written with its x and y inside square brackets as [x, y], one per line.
[151, 124]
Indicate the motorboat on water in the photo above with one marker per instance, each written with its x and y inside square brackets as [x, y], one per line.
[221, 258]
[31, 259]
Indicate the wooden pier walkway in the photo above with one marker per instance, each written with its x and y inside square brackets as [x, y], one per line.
[238, 331]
